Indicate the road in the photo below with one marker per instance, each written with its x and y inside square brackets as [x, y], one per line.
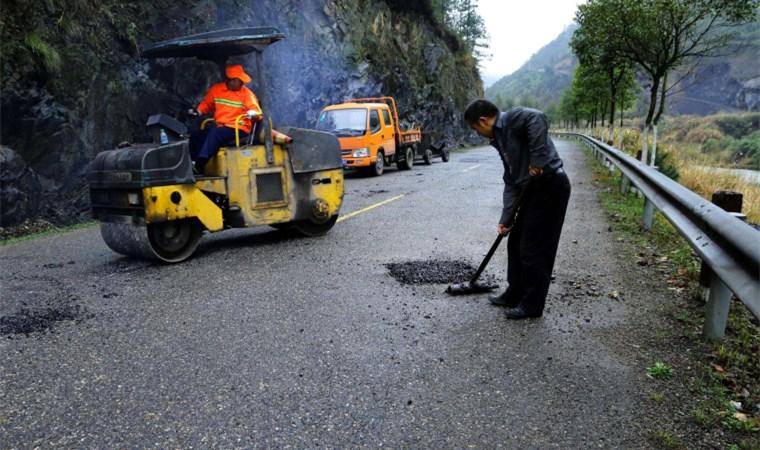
[265, 340]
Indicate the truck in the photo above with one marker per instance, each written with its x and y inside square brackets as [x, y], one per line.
[371, 138]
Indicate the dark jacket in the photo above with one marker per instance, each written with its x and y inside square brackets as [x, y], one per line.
[521, 135]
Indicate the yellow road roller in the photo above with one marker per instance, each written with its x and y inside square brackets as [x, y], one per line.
[151, 204]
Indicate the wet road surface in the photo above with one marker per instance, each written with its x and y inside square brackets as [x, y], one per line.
[265, 340]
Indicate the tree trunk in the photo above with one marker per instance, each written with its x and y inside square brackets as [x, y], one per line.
[656, 121]
[644, 144]
[621, 116]
[653, 91]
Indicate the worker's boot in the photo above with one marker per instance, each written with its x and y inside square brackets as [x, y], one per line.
[506, 299]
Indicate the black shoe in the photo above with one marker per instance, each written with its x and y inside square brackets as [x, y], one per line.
[503, 300]
[518, 313]
[198, 166]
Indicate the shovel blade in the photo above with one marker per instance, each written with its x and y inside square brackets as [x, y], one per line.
[470, 288]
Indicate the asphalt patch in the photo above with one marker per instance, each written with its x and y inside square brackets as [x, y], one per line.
[29, 321]
[432, 272]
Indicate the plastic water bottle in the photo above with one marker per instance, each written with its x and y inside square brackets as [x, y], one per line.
[164, 138]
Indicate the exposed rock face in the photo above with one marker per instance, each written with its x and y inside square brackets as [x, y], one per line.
[19, 188]
[58, 113]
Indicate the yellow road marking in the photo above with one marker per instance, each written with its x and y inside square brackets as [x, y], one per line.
[356, 213]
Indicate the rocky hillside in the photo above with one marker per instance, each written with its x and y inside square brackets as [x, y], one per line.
[73, 82]
[729, 82]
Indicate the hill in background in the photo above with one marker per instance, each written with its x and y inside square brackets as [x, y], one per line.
[540, 81]
[726, 83]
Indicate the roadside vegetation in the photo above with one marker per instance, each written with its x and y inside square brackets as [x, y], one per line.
[683, 158]
[36, 228]
[698, 386]
[625, 47]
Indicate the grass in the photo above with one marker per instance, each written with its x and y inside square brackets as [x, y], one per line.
[47, 231]
[660, 370]
[47, 54]
[718, 373]
[706, 183]
[683, 143]
[666, 439]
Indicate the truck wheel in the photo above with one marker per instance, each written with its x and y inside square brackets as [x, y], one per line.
[408, 162]
[309, 228]
[445, 155]
[377, 168]
[428, 157]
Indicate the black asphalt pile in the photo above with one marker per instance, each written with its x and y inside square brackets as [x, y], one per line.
[431, 272]
[29, 321]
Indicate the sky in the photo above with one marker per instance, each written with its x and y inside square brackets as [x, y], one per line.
[519, 28]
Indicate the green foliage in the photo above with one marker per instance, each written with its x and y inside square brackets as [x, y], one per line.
[738, 125]
[731, 422]
[725, 138]
[666, 439]
[665, 164]
[660, 370]
[461, 16]
[659, 36]
[46, 54]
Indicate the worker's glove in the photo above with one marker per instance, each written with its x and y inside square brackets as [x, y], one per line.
[252, 114]
[193, 112]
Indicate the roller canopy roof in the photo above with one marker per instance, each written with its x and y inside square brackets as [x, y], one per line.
[216, 45]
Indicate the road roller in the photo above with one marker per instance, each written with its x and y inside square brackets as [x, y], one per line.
[152, 204]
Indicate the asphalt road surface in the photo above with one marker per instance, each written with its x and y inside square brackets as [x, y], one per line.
[266, 340]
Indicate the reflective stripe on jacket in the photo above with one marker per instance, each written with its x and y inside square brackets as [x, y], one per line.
[227, 105]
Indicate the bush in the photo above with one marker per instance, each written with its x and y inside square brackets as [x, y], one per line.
[665, 164]
[712, 145]
[700, 135]
[738, 125]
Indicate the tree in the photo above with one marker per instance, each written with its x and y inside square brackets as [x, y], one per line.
[612, 66]
[659, 36]
[462, 17]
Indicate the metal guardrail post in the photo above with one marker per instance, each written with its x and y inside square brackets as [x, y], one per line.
[716, 314]
[648, 218]
[731, 202]
[648, 214]
[625, 184]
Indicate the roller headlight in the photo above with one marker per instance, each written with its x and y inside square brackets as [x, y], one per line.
[361, 153]
[133, 199]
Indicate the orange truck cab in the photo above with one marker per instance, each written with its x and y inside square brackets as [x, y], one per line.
[369, 134]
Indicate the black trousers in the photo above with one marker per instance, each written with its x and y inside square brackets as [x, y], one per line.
[533, 241]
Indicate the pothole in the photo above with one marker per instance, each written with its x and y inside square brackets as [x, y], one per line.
[433, 272]
[29, 321]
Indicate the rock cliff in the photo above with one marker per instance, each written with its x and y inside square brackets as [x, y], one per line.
[73, 82]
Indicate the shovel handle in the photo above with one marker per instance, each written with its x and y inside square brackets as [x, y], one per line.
[487, 259]
[511, 222]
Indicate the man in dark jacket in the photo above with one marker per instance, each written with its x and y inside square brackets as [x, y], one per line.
[533, 175]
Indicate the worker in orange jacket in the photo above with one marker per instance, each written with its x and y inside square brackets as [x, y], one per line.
[227, 101]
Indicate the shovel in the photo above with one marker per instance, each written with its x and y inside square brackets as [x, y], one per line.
[472, 286]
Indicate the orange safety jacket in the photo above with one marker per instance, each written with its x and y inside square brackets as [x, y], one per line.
[228, 105]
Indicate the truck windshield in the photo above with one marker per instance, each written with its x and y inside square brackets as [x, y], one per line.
[343, 122]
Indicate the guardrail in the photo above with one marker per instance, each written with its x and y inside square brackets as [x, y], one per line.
[729, 246]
